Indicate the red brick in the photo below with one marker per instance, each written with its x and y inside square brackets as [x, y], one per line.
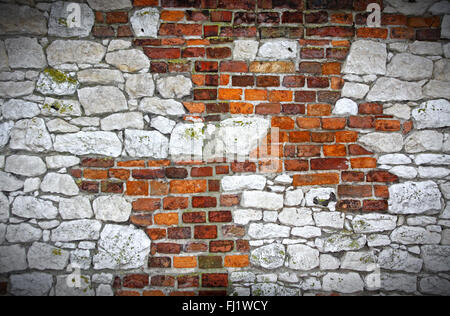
[141, 220]
[145, 3]
[346, 137]
[112, 187]
[146, 205]
[381, 176]
[146, 174]
[214, 280]
[363, 163]
[89, 186]
[137, 188]
[375, 205]
[312, 53]
[196, 247]
[403, 33]
[221, 246]
[229, 200]
[97, 162]
[135, 281]
[162, 280]
[210, 262]
[175, 203]
[294, 109]
[381, 191]
[222, 170]
[334, 123]
[95, 174]
[319, 109]
[202, 172]
[116, 17]
[292, 17]
[192, 52]
[221, 16]
[371, 32]
[233, 66]
[218, 52]
[188, 186]
[204, 202]
[156, 233]
[103, 31]
[352, 176]
[205, 232]
[206, 66]
[357, 150]
[168, 248]
[393, 19]
[424, 22]
[299, 137]
[239, 167]
[316, 179]
[159, 262]
[242, 245]
[233, 231]
[323, 137]
[329, 164]
[331, 31]
[121, 174]
[162, 53]
[181, 30]
[335, 151]
[310, 68]
[308, 151]
[349, 206]
[355, 191]
[296, 165]
[179, 232]
[268, 108]
[319, 17]
[205, 94]
[370, 108]
[124, 31]
[194, 217]
[188, 281]
[220, 217]
[388, 125]
[361, 122]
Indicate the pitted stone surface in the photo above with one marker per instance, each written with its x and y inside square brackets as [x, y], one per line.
[102, 99]
[239, 183]
[83, 229]
[140, 85]
[25, 165]
[366, 58]
[302, 257]
[162, 107]
[30, 207]
[16, 109]
[112, 209]
[12, 258]
[16, 19]
[414, 198]
[23, 233]
[410, 67]
[146, 144]
[245, 49]
[85, 143]
[59, 24]
[269, 257]
[46, 257]
[75, 208]
[390, 89]
[74, 51]
[278, 50]
[145, 22]
[25, 52]
[59, 183]
[174, 87]
[131, 60]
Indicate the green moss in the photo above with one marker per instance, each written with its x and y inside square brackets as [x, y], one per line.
[191, 133]
[63, 21]
[59, 107]
[56, 252]
[59, 77]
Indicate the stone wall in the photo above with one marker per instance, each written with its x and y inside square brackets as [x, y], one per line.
[222, 147]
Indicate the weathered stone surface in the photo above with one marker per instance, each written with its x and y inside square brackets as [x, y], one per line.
[341, 242]
[432, 159]
[4, 208]
[30, 207]
[16, 109]
[162, 124]
[293, 198]
[187, 141]
[12, 258]
[435, 285]
[399, 260]
[410, 67]
[174, 87]
[146, 144]
[398, 282]
[59, 183]
[346, 283]
[321, 197]
[55, 82]
[4, 65]
[102, 99]
[122, 247]
[264, 231]
[61, 108]
[145, 22]
[75, 208]
[345, 107]
[414, 198]
[436, 89]
[359, 261]
[23, 233]
[441, 7]
[410, 8]
[140, 85]
[25, 52]
[436, 258]
[264, 200]
[100, 76]
[445, 27]
[355, 90]
[366, 58]
[11, 89]
[29, 166]
[243, 217]
[269, 257]
[394, 159]
[373, 223]
[85, 143]
[31, 284]
[329, 262]
[245, 49]
[424, 141]
[74, 51]
[9, 183]
[306, 232]
[112, 209]
[240, 183]
[45, 257]
[5, 132]
[104, 290]
[390, 89]
[120, 121]
[31, 185]
[408, 235]
[109, 5]
[302, 257]
[59, 25]
[296, 217]
[383, 143]
[131, 60]
[16, 19]
[401, 111]
[83, 229]
[279, 50]
[31, 135]
[162, 107]
[447, 50]
[63, 289]
[119, 44]
[404, 172]
[426, 48]
[60, 126]
[442, 70]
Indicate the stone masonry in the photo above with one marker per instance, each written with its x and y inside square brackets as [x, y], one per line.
[224, 147]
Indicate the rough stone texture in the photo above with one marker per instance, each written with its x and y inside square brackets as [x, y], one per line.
[264, 231]
[100, 76]
[31, 284]
[75, 208]
[302, 257]
[74, 51]
[109, 5]
[12, 258]
[264, 200]
[435, 286]
[162, 107]
[355, 90]
[240, 183]
[112, 209]
[131, 60]
[22, 233]
[25, 165]
[102, 100]
[4, 65]
[436, 258]
[410, 67]
[398, 282]
[390, 89]
[82, 229]
[373, 223]
[245, 50]
[359, 261]
[121, 121]
[278, 50]
[140, 85]
[84, 289]
[59, 183]
[25, 52]
[385, 143]
[45, 257]
[415, 8]
[366, 58]
[16, 89]
[145, 22]
[399, 260]
[269, 257]
[30, 207]
[414, 198]
[123, 247]
[442, 70]
[84, 143]
[414, 236]
[343, 282]
[296, 217]
[16, 109]
[59, 24]
[146, 144]
[345, 107]
[16, 19]
[163, 124]
[174, 87]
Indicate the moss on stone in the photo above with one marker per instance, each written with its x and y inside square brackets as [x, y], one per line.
[59, 77]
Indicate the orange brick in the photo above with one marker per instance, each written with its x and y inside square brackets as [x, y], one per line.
[316, 179]
[198, 42]
[95, 174]
[331, 69]
[131, 163]
[159, 188]
[238, 261]
[337, 83]
[283, 122]
[281, 96]
[158, 163]
[121, 174]
[128, 293]
[172, 16]
[381, 191]
[387, 125]
[230, 94]
[184, 262]
[319, 109]
[308, 122]
[156, 233]
[346, 137]
[424, 22]
[241, 108]
[335, 151]
[153, 293]
[299, 137]
[342, 18]
[188, 186]
[224, 80]
[363, 163]
[340, 43]
[194, 107]
[137, 188]
[198, 80]
[255, 95]
[369, 32]
[166, 219]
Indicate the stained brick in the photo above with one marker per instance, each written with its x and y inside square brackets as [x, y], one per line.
[214, 280]
[205, 232]
[221, 246]
[220, 217]
[136, 281]
[175, 203]
[210, 262]
[204, 202]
